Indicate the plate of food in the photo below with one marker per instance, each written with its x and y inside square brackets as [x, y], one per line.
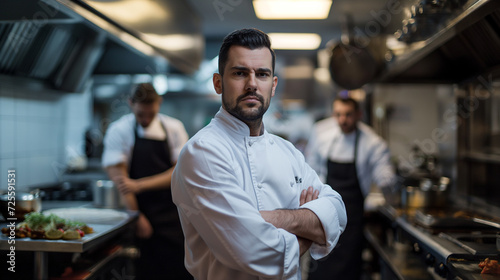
[49, 226]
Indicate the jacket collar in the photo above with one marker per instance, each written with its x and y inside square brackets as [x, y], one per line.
[233, 124]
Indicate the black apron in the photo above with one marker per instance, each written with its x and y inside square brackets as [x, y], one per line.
[162, 255]
[344, 262]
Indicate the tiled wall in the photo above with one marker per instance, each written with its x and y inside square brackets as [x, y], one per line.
[39, 130]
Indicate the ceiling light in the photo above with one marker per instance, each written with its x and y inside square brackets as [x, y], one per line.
[131, 12]
[292, 9]
[173, 42]
[295, 41]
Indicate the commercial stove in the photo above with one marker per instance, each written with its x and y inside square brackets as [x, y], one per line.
[450, 242]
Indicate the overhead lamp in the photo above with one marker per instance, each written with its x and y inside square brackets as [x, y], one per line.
[292, 9]
[131, 12]
[173, 42]
[295, 41]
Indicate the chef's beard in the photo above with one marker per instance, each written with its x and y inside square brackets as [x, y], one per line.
[248, 115]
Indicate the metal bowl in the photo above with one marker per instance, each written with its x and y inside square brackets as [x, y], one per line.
[16, 206]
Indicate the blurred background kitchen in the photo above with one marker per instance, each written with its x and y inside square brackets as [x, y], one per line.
[425, 71]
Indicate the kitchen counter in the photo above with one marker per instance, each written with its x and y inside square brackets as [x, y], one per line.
[398, 261]
[397, 257]
[105, 229]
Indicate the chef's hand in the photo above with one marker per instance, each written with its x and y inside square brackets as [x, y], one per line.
[308, 195]
[126, 185]
[304, 245]
[144, 229]
[274, 217]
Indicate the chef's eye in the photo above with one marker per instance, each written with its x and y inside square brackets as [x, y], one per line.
[239, 73]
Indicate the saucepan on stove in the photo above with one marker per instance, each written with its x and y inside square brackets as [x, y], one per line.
[16, 205]
[429, 193]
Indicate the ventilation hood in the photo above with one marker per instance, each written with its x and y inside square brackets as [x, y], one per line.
[467, 46]
[63, 42]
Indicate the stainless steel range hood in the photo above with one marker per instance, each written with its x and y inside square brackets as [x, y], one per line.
[62, 43]
[468, 46]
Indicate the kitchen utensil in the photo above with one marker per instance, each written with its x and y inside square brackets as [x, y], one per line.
[106, 195]
[353, 61]
[351, 66]
[21, 203]
[428, 194]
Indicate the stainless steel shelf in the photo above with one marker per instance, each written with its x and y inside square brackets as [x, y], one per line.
[416, 51]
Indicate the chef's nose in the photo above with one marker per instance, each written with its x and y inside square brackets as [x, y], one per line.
[251, 83]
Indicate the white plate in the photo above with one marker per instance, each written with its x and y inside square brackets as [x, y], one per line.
[89, 215]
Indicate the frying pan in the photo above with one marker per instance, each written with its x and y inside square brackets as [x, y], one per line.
[352, 63]
[351, 66]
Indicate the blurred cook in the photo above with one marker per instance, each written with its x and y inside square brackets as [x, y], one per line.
[140, 152]
[349, 156]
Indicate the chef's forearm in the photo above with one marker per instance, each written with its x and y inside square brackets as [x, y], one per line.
[161, 180]
[301, 222]
[118, 171]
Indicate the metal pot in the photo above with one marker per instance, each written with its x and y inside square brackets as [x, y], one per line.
[18, 204]
[427, 195]
[106, 195]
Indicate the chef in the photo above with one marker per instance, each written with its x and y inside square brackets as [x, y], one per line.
[140, 152]
[349, 156]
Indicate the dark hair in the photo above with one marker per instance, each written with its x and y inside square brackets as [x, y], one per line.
[348, 100]
[250, 38]
[144, 93]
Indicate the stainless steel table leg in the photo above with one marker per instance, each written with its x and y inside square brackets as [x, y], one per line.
[41, 266]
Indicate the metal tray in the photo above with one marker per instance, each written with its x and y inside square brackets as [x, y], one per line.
[102, 232]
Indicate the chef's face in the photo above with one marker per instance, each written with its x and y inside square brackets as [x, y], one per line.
[247, 83]
[145, 112]
[346, 116]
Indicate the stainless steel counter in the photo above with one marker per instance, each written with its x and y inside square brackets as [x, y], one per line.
[102, 233]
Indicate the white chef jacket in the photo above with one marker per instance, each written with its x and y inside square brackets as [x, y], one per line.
[119, 139]
[373, 159]
[223, 178]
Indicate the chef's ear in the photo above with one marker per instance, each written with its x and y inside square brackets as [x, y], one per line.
[275, 84]
[217, 80]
